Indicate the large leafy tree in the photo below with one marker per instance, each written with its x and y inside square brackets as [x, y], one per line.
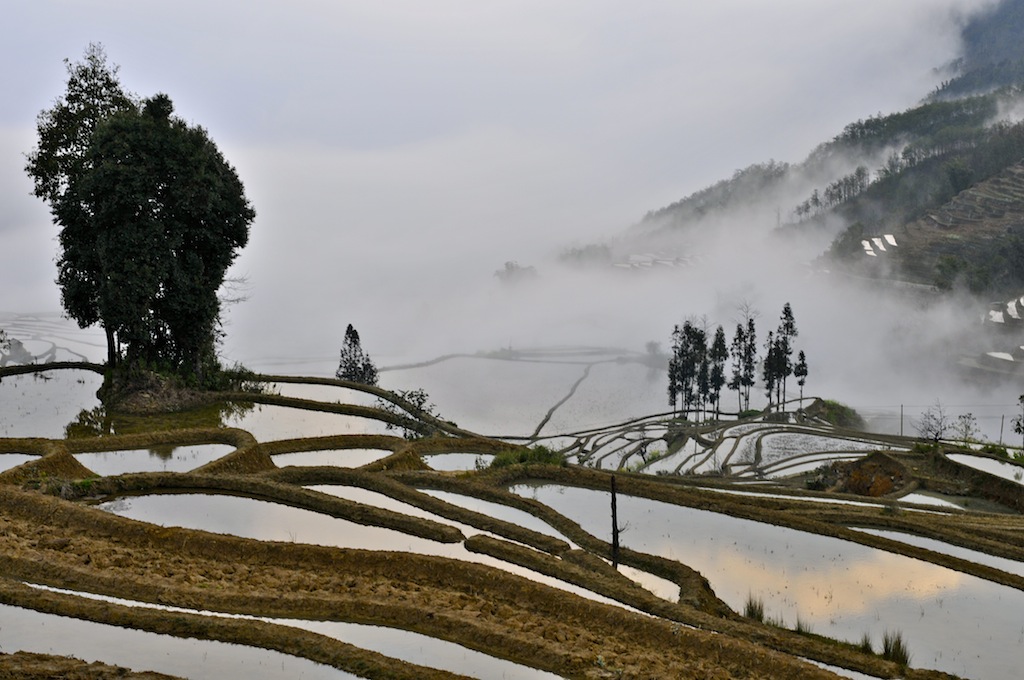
[59, 161]
[151, 217]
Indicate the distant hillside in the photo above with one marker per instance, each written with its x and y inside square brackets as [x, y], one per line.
[951, 161]
[975, 241]
[993, 52]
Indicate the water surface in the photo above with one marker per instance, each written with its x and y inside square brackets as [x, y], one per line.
[950, 621]
[169, 459]
[31, 631]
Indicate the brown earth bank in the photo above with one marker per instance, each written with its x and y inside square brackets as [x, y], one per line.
[476, 606]
[26, 666]
[47, 540]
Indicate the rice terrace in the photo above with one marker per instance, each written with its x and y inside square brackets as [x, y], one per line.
[407, 376]
[776, 545]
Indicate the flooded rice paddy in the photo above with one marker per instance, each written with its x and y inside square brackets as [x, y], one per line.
[1005, 469]
[344, 458]
[32, 631]
[951, 621]
[267, 521]
[164, 459]
[43, 405]
[9, 460]
[453, 462]
[269, 422]
[416, 648]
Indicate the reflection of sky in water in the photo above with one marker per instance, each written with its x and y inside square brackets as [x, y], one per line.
[1006, 470]
[10, 460]
[344, 458]
[325, 393]
[32, 631]
[923, 498]
[453, 462]
[181, 459]
[393, 642]
[379, 500]
[263, 520]
[423, 650]
[1008, 565]
[42, 405]
[490, 396]
[659, 586]
[950, 621]
[270, 423]
[498, 511]
[612, 393]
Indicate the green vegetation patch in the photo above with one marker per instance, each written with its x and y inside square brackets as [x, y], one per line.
[840, 415]
[537, 455]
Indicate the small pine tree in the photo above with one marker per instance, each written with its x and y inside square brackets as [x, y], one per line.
[800, 371]
[355, 365]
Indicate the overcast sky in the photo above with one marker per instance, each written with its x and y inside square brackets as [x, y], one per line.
[408, 139]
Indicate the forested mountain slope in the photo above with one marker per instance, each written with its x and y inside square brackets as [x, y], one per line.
[943, 174]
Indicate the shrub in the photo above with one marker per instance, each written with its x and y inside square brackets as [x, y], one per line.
[537, 455]
[841, 415]
[995, 450]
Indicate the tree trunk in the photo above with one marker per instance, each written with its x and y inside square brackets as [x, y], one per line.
[111, 350]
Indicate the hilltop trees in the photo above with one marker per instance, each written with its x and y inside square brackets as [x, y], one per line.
[355, 364]
[151, 217]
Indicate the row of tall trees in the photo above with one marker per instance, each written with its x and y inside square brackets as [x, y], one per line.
[697, 369]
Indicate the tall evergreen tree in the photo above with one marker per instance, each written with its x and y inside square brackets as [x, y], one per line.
[800, 373]
[769, 370]
[717, 355]
[688, 367]
[673, 369]
[784, 337]
[749, 376]
[355, 364]
[736, 378]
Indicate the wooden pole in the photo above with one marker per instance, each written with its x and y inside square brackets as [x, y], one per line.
[615, 528]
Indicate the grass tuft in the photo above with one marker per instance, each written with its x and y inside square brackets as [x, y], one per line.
[894, 648]
[865, 644]
[754, 608]
[802, 626]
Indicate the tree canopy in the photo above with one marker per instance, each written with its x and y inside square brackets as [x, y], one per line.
[355, 363]
[151, 217]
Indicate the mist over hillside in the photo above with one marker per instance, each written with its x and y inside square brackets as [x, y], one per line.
[398, 160]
